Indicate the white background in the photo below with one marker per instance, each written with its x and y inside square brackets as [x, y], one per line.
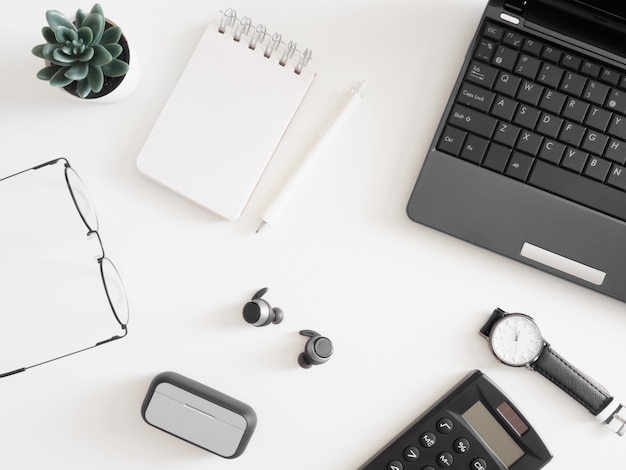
[402, 303]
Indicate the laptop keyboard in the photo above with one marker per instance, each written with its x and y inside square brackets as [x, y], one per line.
[543, 116]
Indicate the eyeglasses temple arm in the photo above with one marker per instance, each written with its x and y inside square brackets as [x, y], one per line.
[22, 369]
[51, 162]
[110, 339]
[13, 372]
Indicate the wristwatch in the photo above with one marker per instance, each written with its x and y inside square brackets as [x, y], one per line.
[515, 339]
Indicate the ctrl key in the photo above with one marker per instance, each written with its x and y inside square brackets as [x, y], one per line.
[451, 140]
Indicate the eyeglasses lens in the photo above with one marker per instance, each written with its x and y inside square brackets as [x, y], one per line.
[115, 290]
[82, 199]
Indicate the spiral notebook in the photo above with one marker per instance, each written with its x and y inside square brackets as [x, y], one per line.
[227, 114]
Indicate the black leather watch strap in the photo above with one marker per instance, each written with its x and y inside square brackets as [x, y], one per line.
[495, 316]
[568, 378]
[560, 372]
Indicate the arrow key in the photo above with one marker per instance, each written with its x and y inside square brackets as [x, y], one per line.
[395, 465]
[411, 454]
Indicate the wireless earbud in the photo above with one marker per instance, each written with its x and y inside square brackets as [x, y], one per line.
[258, 312]
[317, 350]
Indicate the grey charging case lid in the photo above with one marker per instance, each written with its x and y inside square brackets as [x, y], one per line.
[198, 414]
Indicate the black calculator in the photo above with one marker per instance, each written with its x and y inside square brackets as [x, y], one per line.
[472, 427]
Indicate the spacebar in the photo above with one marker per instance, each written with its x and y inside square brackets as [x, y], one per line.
[579, 189]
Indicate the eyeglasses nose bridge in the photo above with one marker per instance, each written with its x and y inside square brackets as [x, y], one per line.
[95, 233]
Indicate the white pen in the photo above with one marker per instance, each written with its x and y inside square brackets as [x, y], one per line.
[283, 194]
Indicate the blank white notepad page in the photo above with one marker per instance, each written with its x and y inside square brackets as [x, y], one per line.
[222, 123]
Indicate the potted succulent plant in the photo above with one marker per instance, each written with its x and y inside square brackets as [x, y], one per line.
[88, 57]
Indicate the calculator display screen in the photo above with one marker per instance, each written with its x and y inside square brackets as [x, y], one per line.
[496, 437]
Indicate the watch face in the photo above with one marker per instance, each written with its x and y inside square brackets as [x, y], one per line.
[516, 340]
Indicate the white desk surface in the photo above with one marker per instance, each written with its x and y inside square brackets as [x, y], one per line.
[402, 303]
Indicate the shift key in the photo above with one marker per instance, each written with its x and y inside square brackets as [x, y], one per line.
[472, 121]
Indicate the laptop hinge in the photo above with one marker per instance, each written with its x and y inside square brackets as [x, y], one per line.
[515, 6]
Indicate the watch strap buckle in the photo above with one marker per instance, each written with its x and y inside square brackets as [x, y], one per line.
[616, 419]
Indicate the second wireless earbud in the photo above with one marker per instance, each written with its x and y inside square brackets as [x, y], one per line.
[317, 350]
[258, 312]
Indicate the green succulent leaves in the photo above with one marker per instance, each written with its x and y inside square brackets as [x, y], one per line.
[82, 51]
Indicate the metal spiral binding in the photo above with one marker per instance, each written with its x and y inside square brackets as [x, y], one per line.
[243, 29]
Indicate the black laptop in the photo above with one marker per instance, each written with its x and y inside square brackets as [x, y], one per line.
[529, 159]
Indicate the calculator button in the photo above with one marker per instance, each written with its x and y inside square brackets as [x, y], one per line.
[444, 426]
[428, 467]
[479, 464]
[395, 465]
[445, 460]
[461, 445]
[428, 439]
[411, 454]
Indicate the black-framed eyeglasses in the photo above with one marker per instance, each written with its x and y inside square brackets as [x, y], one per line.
[111, 280]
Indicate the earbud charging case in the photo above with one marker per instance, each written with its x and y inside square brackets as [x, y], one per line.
[198, 414]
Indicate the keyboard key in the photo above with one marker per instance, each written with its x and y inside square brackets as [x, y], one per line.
[504, 108]
[617, 100]
[609, 76]
[485, 49]
[474, 149]
[445, 460]
[617, 177]
[573, 84]
[506, 134]
[575, 110]
[579, 189]
[550, 75]
[519, 166]
[595, 142]
[574, 159]
[472, 121]
[590, 69]
[526, 116]
[507, 84]
[617, 127]
[572, 134]
[598, 118]
[551, 54]
[451, 140]
[475, 96]
[527, 66]
[530, 93]
[395, 465]
[529, 142]
[552, 151]
[571, 62]
[504, 58]
[616, 151]
[597, 168]
[596, 92]
[497, 157]
[549, 125]
[552, 101]
[532, 47]
[513, 39]
[492, 31]
[481, 74]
